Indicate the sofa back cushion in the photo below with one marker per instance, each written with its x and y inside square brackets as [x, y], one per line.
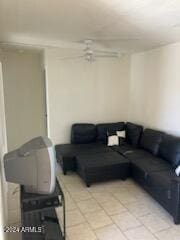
[108, 128]
[151, 140]
[83, 133]
[133, 133]
[170, 149]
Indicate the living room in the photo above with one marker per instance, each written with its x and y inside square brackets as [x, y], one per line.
[75, 70]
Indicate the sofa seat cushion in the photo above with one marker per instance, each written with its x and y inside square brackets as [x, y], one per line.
[134, 154]
[124, 148]
[82, 133]
[72, 150]
[141, 167]
[151, 164]
[170, 150]
[104, 129]
[150, 140]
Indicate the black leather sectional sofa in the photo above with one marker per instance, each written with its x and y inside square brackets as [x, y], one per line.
[148, 156]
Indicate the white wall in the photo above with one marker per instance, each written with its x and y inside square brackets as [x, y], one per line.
[3, 150]
[24, 96]
[79, 91]
[155, 88]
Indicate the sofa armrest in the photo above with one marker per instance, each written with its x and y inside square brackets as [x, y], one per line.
[175, 191]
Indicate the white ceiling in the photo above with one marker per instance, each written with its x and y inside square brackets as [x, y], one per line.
[127, 25]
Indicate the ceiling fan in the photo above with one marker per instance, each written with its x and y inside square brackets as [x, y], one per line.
[90, 54]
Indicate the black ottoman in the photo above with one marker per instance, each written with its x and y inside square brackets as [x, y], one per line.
[66, 153]
[102, 166]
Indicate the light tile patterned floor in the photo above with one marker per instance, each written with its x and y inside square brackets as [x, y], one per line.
[114, 210]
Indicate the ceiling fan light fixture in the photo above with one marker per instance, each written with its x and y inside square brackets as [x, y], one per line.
[88, 51]
[89, 58]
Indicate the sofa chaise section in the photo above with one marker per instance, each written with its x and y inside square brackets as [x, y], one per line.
[153, 167]
[83, 141]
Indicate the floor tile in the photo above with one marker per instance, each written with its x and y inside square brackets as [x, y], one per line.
[14, 216]
[12, 188]
[154, 223]
[129, 181]
[103, 197]
[137, 191]
[98, 219]
[125, 197]
[74, 187]
[13, 203]
[113, 207]
[110, 232]
[70, 204]
[113, 183]
[140, 233]
[14, 235]
[125, 221]
[163, 214]
[74, 217]
[63, 187]
[81, 232]
[97, 187]
[168, 234]
[115, 189]
[80, 195]
[70, 178]
[89, 205]
[116, 184]
[59, 212]
[176, 227]
[139, 209]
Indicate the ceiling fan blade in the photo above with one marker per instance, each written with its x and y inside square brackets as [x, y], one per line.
[86, 41]
[106, 56]
[105, 52]
[73, 57]
[115, 39]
